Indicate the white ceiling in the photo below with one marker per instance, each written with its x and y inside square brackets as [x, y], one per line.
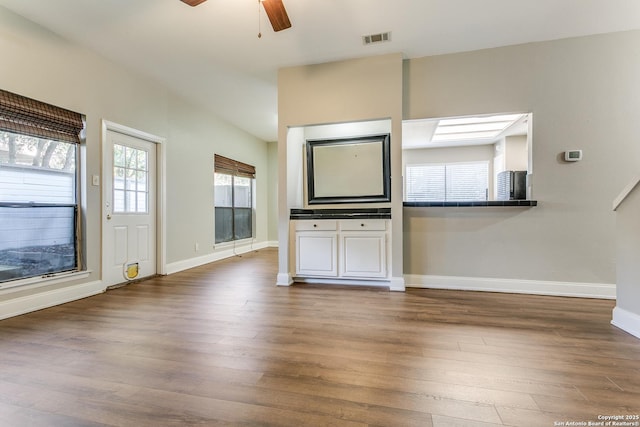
[419, 133]
[211, 53]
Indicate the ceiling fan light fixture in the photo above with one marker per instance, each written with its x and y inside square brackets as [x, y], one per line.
[275, 10]
[277, 14]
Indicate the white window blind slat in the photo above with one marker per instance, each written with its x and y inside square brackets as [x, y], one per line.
[447, 182]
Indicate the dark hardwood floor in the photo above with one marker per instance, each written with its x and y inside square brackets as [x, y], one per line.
[222, 345]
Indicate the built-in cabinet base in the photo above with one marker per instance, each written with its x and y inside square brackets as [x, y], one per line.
[344, 249]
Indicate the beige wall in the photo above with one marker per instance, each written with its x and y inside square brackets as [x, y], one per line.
[582, 93]
[194, 136]
[272, 159]
[346, 91]
[579, 93]
[41, 65]
[516, 153]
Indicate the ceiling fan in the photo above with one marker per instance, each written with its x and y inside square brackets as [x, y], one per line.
[275, 11]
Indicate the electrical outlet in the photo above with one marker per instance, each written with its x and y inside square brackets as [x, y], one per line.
[196, 247]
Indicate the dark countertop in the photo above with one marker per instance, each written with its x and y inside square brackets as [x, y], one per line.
[358, 213]
[385, 213]
[487, 203]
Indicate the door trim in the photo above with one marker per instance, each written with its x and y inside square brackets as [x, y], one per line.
[161, 181]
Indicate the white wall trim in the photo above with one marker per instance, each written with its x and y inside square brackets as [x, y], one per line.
[625, 192]
[519, 286]
[273, 244]
[343, 282]
[186, 264]
[39, 301]
[39, 282]
[627, 321]
[284, 280]
[397, 284]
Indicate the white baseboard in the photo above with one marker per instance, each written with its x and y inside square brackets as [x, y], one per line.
[41, 300]
[284, 279]
[397, 284]
[186, 264]
[627, 321]
[519, 286]
[343, 282]
[273, 244]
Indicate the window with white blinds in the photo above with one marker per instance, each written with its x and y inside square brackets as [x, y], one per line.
[447, 182]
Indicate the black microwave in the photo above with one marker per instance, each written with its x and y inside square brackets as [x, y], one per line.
[512, 185]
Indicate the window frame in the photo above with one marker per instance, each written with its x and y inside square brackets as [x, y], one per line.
[234, 169]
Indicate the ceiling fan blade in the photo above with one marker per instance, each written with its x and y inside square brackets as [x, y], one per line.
[277, 14]
[193, 2]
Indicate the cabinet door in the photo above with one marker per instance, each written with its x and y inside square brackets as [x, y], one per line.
[316, 254]
[363, 255]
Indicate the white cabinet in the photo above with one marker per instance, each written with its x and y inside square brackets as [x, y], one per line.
[349, 249]
[316, 248]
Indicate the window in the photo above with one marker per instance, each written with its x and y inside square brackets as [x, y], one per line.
[447, 182]
[39, 213]
[130, 180]
[233, 199]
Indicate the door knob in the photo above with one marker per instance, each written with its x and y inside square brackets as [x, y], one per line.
[108, 216]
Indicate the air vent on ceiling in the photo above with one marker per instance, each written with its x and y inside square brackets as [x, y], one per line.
[376, 38]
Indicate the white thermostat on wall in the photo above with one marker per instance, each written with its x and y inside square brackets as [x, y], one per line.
[573, 155]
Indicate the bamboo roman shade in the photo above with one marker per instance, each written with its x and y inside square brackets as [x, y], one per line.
[232, 167]
[27, 116]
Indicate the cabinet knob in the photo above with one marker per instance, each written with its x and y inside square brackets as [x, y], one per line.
[361, 225]
[315, 225]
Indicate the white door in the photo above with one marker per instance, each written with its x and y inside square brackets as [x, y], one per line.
[129, 213]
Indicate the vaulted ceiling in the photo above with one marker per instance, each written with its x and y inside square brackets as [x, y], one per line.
[212, 53]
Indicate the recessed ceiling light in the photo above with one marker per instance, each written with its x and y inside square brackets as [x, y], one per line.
[473, 128]
[480, 119]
